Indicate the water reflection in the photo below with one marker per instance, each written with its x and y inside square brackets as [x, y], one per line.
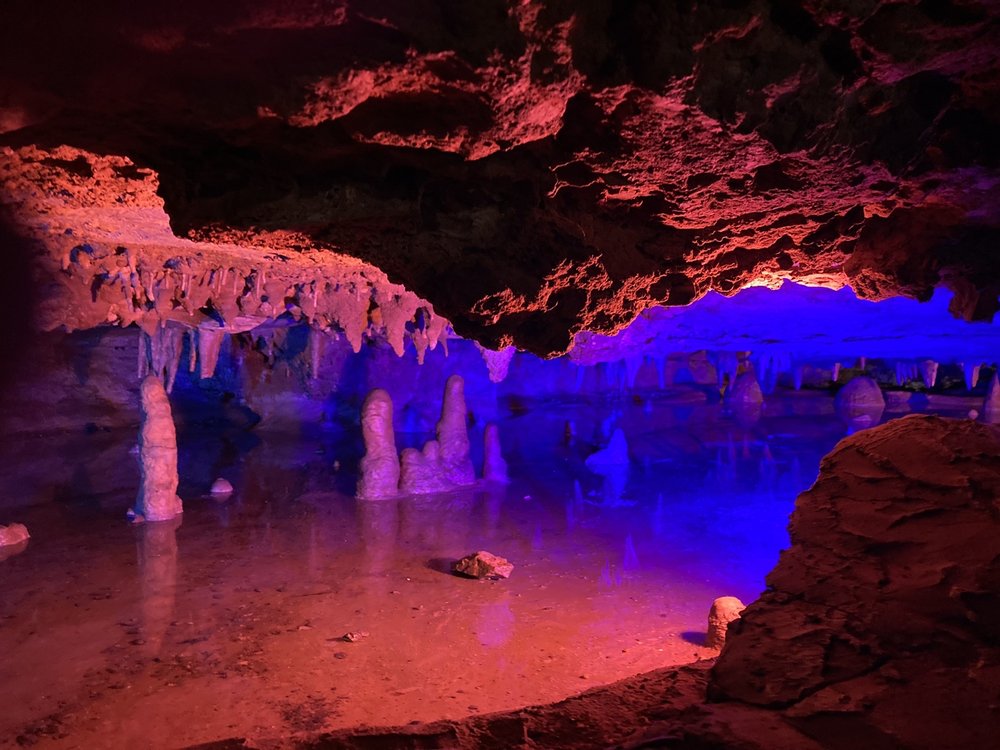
[156, 547]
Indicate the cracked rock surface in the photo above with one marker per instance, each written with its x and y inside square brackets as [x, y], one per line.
[525, 170]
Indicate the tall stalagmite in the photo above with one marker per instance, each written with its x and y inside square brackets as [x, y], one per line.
[453, 434]
[379, 469]
[157, 499]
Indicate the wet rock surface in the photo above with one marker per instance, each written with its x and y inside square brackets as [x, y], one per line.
[529, 169]
[878, 628]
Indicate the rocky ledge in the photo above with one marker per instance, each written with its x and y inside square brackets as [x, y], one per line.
[880, 626]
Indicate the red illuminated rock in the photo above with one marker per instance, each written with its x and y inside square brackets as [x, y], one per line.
[15, 533]
[483, 565]
[526, 170]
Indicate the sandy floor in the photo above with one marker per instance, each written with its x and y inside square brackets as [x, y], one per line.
[231, 623]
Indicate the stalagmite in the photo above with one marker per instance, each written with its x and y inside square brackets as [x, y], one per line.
[494, 466]
[745, 390]
[157, 500]
[724, 610]
[209, 345]
[421, 472]
[990, 412]
[929, 372]
[379, 469]
[860, 403]
[453, 434]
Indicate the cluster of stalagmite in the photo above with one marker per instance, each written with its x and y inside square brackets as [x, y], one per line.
[443, 464]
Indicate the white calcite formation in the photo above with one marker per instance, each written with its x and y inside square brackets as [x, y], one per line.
[453, 434]
[13, 534]
[991, 404]
[379, 469]
[724, 610]
[616, 454]
[497, 362]
[494, 466]
[860, 403]
[157, 499]
[929, 372]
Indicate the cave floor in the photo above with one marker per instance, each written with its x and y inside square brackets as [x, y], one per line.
[231, 623]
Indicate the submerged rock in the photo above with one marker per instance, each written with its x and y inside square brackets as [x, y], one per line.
[724, 610]
[221, 486]
[483, 565]
[13, 534]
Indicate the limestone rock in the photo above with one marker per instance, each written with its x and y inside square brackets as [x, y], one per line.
[13, 534]
[221, 486]
[860, 403]
[724, 610]
[379, 469]
[157, 500]
[483, 565]
[745, 390]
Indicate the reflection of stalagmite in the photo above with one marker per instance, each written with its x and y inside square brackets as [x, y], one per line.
[157, 548]
[379, 469]
[453, 435]
[157, 499]
[494, 467]
[379, 528]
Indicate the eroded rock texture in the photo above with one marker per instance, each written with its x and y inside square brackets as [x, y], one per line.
[525, 170]
[880, 627]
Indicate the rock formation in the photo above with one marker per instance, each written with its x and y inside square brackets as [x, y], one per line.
[745, 390]
[157, 500]
[453, 434]
[378, 472]
[15, 533]
[221, 486]
[483, 565]
[724, 610]
[526, 169]
[422, 472]
[494, 466]
[860, 403]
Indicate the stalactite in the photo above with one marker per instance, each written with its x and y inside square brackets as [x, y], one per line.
[497, 363]
[209, 345]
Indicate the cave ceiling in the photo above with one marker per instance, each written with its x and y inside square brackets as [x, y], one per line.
[525, 170]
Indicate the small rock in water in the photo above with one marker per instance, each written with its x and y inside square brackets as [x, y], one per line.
[354, 636]
[13, 534]
[221, 487]
[483, 565]
[724, 610]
